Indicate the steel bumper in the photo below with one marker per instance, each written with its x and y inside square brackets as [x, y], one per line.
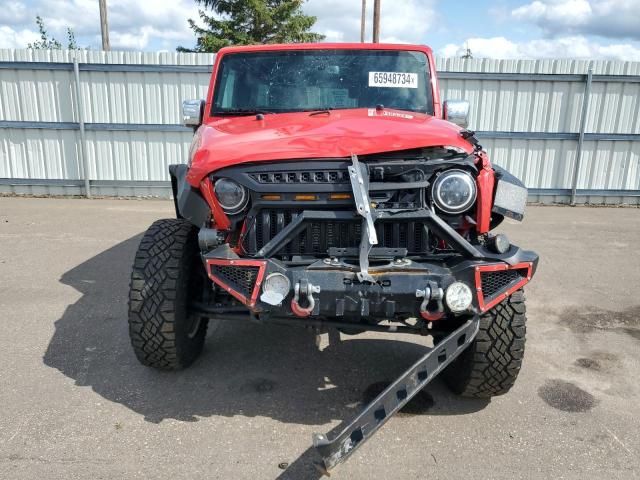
[330, 288]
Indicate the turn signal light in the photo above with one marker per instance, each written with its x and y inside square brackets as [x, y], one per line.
[271, 197]
[340, 196]
[305, 198]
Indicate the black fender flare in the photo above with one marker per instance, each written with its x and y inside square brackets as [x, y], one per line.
[188, 201]
[505, 175]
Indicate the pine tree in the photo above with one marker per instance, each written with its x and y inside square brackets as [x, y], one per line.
[247, 22]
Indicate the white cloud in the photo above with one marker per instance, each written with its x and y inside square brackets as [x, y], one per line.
[58, 15]
[565, 12]
[607, 18]
[137, 40]
[14, 12]
[132, 25]
[402, 21]
[10, 38]
[163, 20]
[562, 47]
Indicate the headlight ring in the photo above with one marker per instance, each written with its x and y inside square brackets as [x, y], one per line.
[232, 196]
[454, 191]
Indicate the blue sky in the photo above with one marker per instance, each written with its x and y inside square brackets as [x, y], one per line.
[491, 28]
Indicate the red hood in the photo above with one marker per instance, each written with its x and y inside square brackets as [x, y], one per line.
[287, 136]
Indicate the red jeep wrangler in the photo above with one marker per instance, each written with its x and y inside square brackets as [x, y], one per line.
[327, 185]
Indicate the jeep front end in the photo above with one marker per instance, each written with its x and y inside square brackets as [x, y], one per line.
[326, 185]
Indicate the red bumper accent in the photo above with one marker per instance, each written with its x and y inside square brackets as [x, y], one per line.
[219, 217]
[250, 299]
[527, 270]
[486, 183]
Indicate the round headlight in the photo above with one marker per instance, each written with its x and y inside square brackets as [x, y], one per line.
[231, 196]
[458, 297]
[454, 191]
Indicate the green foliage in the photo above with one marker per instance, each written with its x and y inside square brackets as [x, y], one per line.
[247, 22]
[47, 42]
[71, 40]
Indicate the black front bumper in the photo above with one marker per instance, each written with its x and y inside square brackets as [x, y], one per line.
[338, 293]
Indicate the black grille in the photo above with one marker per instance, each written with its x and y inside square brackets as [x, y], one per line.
[318, 237]
[497, 282]
[303, 176]
[241, 279]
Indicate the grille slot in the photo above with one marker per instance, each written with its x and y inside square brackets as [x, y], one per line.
[318, 237]
[241, 279]
[303, 176]
[499, 281]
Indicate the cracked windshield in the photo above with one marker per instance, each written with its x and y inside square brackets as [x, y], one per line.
[309, 80]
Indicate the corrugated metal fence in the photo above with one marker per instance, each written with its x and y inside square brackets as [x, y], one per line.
[535, 117]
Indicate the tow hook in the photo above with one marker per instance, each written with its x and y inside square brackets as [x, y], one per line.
[303, 292]
[432, 292]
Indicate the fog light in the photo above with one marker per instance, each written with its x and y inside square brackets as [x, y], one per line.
[499, 243]
[458, 297]
[275, 288]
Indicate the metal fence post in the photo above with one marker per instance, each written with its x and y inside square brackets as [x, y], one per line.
[80, 116]
[583, 123]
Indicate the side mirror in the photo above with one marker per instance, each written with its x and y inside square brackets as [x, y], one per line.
[457, 111]
[192, 112]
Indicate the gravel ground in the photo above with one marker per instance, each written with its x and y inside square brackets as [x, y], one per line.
[74, 402]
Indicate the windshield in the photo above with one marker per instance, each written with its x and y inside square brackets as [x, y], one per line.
[306, 80]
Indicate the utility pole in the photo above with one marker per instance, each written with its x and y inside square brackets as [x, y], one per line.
[376, 21]
[104, 25]
[363, 20]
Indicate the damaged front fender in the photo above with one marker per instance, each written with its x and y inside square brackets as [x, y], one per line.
[188, 201]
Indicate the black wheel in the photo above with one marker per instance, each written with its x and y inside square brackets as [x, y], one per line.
[167, 275]
[491, 364]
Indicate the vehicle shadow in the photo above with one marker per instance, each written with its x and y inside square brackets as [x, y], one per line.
[246, 369]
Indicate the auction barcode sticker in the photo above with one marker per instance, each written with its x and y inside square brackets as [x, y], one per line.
[393, 79]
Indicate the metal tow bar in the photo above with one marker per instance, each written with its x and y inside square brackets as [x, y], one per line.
[394, 397]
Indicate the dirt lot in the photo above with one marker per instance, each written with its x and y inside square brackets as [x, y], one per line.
[74, 402]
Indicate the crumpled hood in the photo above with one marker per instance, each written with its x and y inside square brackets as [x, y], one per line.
[338, 134]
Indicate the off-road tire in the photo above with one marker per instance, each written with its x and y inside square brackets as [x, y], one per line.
[162, 332]
[490, 365]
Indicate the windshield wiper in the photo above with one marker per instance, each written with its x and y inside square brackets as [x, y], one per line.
[320, 111]
[242, 111]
